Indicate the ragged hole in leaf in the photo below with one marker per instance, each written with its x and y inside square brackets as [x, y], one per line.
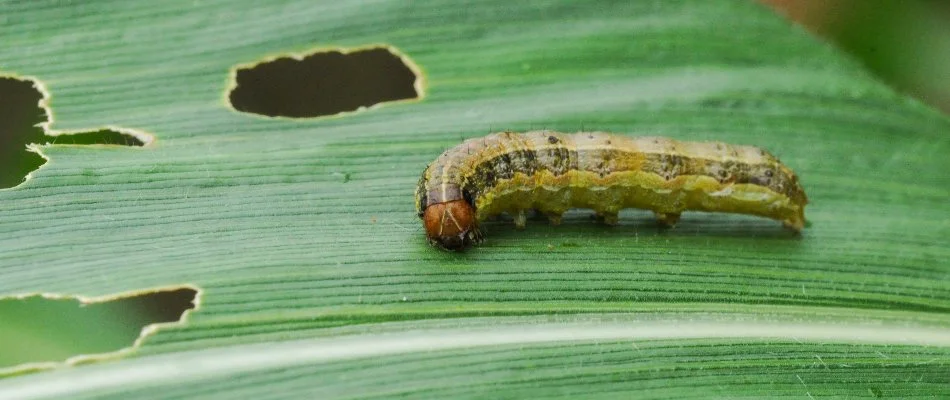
[20, 115]
[40, 329]
[20, 124]
[105, 137]
[325, 83]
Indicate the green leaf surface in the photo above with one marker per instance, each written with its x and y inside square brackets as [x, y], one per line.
[315, 277]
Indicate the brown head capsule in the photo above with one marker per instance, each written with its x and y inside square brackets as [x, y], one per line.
[451, 225]
[448, 216]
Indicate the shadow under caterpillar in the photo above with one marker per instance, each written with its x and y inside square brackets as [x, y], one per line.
[552, 172]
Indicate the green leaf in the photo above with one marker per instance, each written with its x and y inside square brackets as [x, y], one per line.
[316, 280]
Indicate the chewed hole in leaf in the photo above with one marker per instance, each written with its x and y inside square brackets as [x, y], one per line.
[20, 116]
[103, 137]
[21, 120]
[39, 329]
[325, 83]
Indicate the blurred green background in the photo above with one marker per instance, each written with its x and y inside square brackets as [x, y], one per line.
[905, 42]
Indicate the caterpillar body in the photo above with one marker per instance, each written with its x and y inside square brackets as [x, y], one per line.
[552, 172]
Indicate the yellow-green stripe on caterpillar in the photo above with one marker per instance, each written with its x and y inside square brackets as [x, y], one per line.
[552, 172]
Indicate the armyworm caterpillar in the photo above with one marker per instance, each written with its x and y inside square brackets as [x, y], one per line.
[552, 172]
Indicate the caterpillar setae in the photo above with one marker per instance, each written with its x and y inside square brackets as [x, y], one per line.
[552, 172]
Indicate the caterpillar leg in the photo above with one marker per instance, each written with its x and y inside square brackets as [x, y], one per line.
[476, 236]
[607, 217]
[794, 224]
[667, 219]
[520, 219]
[554, 218]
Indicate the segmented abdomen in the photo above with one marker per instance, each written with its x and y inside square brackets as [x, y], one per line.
[551, 172]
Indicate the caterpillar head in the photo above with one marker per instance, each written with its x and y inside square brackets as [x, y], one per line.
[451, 225]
